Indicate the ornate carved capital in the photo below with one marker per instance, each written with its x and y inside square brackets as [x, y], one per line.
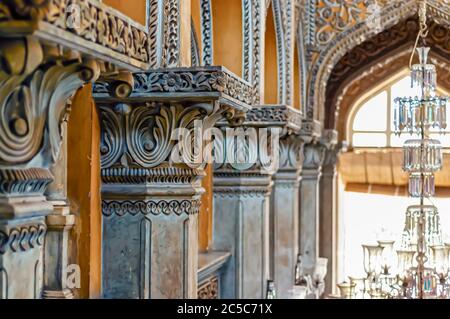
[36, 83]
[313, 161]
[291, 154]
[139, 142]
[311, 131]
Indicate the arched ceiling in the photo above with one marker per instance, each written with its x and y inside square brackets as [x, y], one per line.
[375, 50]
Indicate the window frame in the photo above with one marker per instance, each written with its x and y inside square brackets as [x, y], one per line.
[366, 97]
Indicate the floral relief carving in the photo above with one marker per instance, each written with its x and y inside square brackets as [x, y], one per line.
[334, 16]
[92, 21]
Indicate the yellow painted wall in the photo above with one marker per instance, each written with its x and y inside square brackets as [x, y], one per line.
[227, 30]
[270, 61]
[83, 163]
[135, 9]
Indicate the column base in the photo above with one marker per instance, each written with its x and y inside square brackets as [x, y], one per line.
[58, 294]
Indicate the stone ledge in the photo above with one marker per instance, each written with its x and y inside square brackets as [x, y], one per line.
[211, 262]
[196, 84]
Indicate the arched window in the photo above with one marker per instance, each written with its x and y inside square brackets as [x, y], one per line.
[370, 121]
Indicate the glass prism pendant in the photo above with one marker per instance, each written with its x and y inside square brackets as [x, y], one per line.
[422, 156]
[421, 184]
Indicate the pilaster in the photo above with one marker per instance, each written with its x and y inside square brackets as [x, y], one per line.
[154, 149]
[284, 214]
[328, 214]
[36, 83]
[242, 188]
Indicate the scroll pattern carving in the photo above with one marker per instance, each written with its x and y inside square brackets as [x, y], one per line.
[22, 238]
[141, 136]
[178, 207]
[291, 153]
[314, 156]
[34, 95]
[334, 16]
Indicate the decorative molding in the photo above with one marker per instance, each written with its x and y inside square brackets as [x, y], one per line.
[247, 30]
[100, 28]
[36, 84]
[275, 116]
[172, 33]
[281, 49]
[311, 130]
[21, 239]
[257, 48]
[288, 25]
[202, 83]
[209, 289]
[24, 182]
[164, 175]
[195, 51]
[155, 30]
[207, 32]
[150, 207]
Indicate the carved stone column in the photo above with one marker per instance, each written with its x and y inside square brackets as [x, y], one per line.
[314, 153]
[59, 223]
[328, 214]
[151, 172]
[284, 214]
[36, 82]
[242, 202]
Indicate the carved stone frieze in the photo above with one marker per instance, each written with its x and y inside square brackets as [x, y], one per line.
[201, 83]
[21, 238]
[85, 25]
[121, 208]
[282, 116]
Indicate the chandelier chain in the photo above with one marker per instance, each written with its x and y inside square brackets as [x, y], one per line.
[423, 28]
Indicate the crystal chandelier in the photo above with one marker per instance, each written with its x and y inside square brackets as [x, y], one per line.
[421, 264]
